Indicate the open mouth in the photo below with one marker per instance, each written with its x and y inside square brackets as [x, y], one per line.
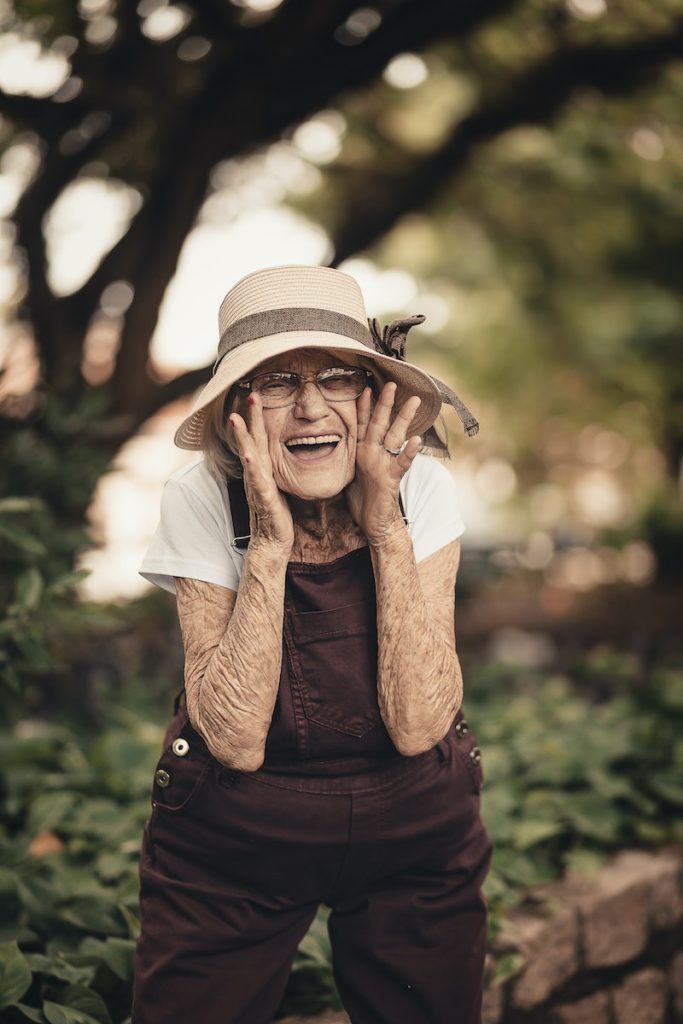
[310, 449]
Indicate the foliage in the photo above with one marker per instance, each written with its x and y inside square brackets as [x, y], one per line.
[40, 614]
[38, 606]
[568, 780]
[539, 161]
[73, 813]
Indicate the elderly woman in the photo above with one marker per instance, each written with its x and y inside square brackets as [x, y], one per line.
[319, 753]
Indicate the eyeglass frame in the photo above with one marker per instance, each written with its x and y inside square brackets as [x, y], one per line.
[246, 385]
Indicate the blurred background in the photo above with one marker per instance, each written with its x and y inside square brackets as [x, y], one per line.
[513, 169]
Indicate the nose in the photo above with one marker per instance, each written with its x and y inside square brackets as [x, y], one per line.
[310, 403]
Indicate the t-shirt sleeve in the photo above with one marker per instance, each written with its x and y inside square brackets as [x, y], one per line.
[430, 499]
[191, 541]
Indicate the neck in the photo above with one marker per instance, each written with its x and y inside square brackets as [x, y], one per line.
[323, 528]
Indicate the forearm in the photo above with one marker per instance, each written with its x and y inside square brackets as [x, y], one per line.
[232, 686]
[419, 682]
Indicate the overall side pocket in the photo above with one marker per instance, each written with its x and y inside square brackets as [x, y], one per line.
[183, 766]
[468, 752]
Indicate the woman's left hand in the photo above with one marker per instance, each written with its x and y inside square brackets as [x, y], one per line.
[372, 495]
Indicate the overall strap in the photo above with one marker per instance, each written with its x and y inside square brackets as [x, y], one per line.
[239, 509]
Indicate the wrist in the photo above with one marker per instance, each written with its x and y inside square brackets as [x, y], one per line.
[269, 551]
[394, 534]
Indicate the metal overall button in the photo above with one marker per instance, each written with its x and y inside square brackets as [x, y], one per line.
[162, 778]
[475, 754]
[180, 747]
[461, 729]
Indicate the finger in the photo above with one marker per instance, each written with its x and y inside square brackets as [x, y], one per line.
[381, 415]
[396, 434]
[405, 460]
[243, 439]
[257, 427]
[363, 412]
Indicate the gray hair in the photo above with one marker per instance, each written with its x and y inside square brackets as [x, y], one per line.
[219, 457]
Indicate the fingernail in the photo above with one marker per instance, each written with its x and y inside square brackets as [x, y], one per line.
[251, 400]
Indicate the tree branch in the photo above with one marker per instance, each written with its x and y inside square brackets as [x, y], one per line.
[247, 94]
[179, 387]
[538, 96]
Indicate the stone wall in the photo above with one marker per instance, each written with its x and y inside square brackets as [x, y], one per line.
[604, 951]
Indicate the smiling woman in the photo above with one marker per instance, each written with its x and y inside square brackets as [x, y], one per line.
[319, 751]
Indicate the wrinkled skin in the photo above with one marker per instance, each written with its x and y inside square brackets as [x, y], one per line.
[359, 465]
[316, 509]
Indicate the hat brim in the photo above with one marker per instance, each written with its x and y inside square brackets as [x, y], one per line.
[236, 365]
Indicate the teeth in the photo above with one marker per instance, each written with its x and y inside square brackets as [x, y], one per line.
[322, 439]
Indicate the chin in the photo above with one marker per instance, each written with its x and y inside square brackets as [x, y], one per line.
[313, 493]
[317, 490]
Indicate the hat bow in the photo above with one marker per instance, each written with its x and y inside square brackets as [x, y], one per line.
[391, 341]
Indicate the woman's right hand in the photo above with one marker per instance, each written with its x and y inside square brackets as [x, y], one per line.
[270, 516]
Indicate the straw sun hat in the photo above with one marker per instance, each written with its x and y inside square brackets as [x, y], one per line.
[281, 309]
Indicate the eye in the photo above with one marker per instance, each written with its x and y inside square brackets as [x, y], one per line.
[270, 382]
[339, 377]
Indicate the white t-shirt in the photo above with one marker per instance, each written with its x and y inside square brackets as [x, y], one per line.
[193, 538]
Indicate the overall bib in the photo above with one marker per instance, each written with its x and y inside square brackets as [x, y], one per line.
[235, 864]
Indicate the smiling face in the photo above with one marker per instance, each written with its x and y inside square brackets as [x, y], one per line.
[312, 443]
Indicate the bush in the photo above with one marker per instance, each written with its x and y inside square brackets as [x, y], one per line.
[568, 780]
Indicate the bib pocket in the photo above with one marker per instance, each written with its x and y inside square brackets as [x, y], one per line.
[333, 658]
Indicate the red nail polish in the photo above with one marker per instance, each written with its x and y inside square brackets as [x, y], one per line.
[251, 400]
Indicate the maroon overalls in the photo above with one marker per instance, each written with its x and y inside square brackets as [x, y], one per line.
[235, 864]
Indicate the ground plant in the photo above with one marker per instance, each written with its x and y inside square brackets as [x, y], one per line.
[568, 780]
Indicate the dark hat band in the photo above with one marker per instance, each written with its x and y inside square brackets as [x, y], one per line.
[291, 318]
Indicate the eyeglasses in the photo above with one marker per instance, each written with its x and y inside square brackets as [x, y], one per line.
[335, 383]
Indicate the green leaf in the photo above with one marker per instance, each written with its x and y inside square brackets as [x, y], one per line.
[33, 650]
[30, 1012]
[56, 1014]
[65, 583]
[15, 974]
[585, 862]
[117, 954]
[50, 810]
[10, 903]
[529, 832]
[22, 540]
[507, 967]
[75, 974]
[28, 590]
[86, 1001]
[669, 786]
[131, 919]
[21, 505]
[94, 913]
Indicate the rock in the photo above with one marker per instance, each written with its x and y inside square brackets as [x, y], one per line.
[492, 1006]
[592, 1010]
[615, 915]
[676, 984]
[666, 898]
[641, 998]
[552, 960]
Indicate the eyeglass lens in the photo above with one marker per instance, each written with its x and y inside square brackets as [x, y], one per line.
[336, 384]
